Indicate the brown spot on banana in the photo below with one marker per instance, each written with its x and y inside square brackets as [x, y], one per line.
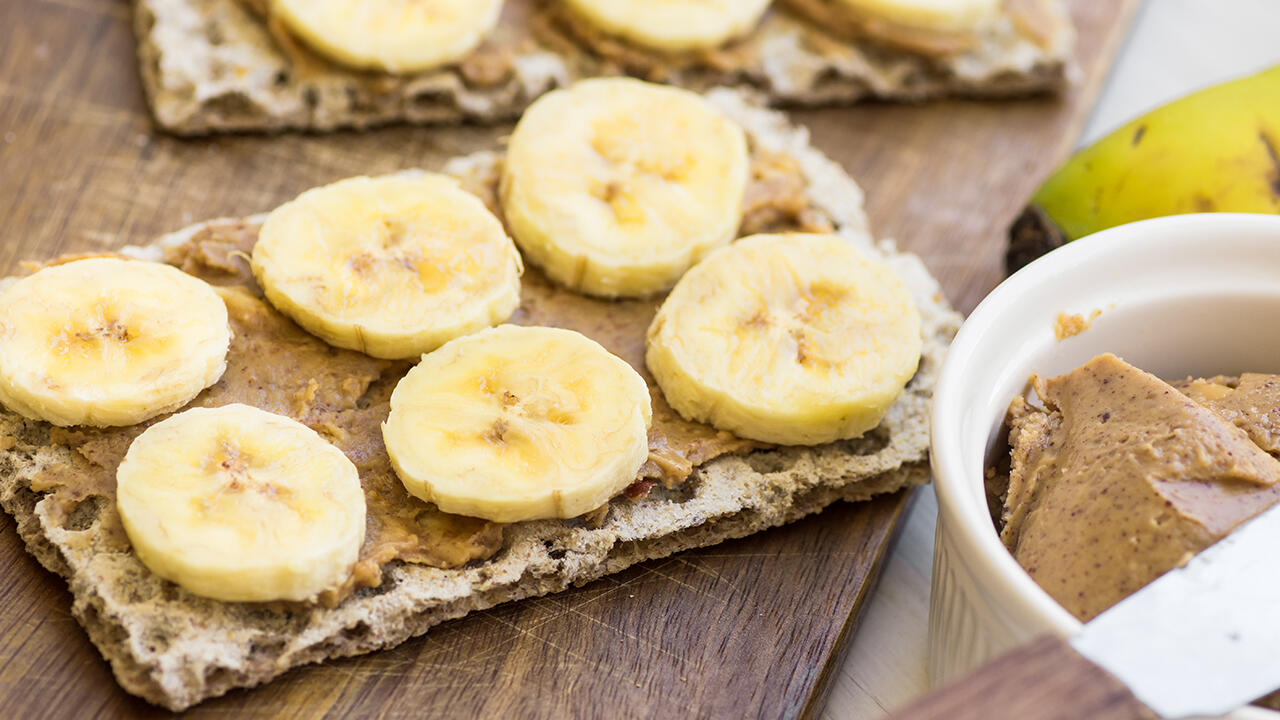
[610, 191]
[806, 358]
[1138, 135]
[362, 264]
[231, 461]
[1273, 181]
[497, 432]
[395, 233]
[109, 330]
[409, 261]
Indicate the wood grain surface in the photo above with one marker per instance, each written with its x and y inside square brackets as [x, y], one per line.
[1043, 680]
[746, 629]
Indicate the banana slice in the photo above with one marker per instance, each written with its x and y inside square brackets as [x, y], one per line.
[236, 503]
[106, 341]
[938, 15]
[398, 36]
[519, 423]
[615, 187]
[393, 266]
[672, 25]
[788, 339]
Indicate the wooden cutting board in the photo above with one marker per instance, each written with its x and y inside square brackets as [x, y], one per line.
[750, 628]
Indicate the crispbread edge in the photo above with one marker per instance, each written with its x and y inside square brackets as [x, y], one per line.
[176, 649]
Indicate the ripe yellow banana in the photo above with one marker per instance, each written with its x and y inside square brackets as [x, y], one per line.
[236, 503]
[615, 186]
[392, 35]
[933, 15]
[790, 339]
[97, 342]
[519, 423]
[1217, 150]
[392, 266]
[672, 25]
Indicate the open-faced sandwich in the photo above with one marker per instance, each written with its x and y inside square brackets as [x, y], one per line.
[263, 442]
[211, 65]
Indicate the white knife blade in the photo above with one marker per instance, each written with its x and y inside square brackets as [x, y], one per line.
[1203, 639]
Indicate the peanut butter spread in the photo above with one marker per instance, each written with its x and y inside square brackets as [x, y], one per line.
[1121, 477]
[1251, 403]
[274, 365]
[1070, 325]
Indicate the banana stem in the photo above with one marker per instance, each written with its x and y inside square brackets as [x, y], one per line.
[1033, 234]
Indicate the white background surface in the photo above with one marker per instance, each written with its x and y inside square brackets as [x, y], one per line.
[1176, 46]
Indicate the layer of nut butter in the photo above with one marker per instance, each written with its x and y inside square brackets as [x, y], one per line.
[1117, 476]
[343, 395]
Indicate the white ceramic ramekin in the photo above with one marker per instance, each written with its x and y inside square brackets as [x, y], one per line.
[1192, 294]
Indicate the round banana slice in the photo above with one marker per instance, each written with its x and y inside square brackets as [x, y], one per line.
[672, 25]
[788, 339]
[239, 504]
[519, 423]
[107, 341]
[939, 15]
[392, 266]
[398, 36]
[615, 187]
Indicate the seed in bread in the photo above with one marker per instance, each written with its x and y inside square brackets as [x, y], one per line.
[97, 342]
[519, 423]
[392, 266]
[615, 187]
[790, 339]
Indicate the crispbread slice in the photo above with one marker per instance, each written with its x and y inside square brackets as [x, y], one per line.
[176, 649]
[211, 65]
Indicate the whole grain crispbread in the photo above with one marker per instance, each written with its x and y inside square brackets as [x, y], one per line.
[212, 65]
[176, 649]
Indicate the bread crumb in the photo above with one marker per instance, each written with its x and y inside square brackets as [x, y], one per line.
[1071, 325]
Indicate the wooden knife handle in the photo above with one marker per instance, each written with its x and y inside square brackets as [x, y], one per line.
[1043, 680]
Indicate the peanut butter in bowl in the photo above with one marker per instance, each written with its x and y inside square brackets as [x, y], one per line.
[1182, 298]
[1116, 477]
